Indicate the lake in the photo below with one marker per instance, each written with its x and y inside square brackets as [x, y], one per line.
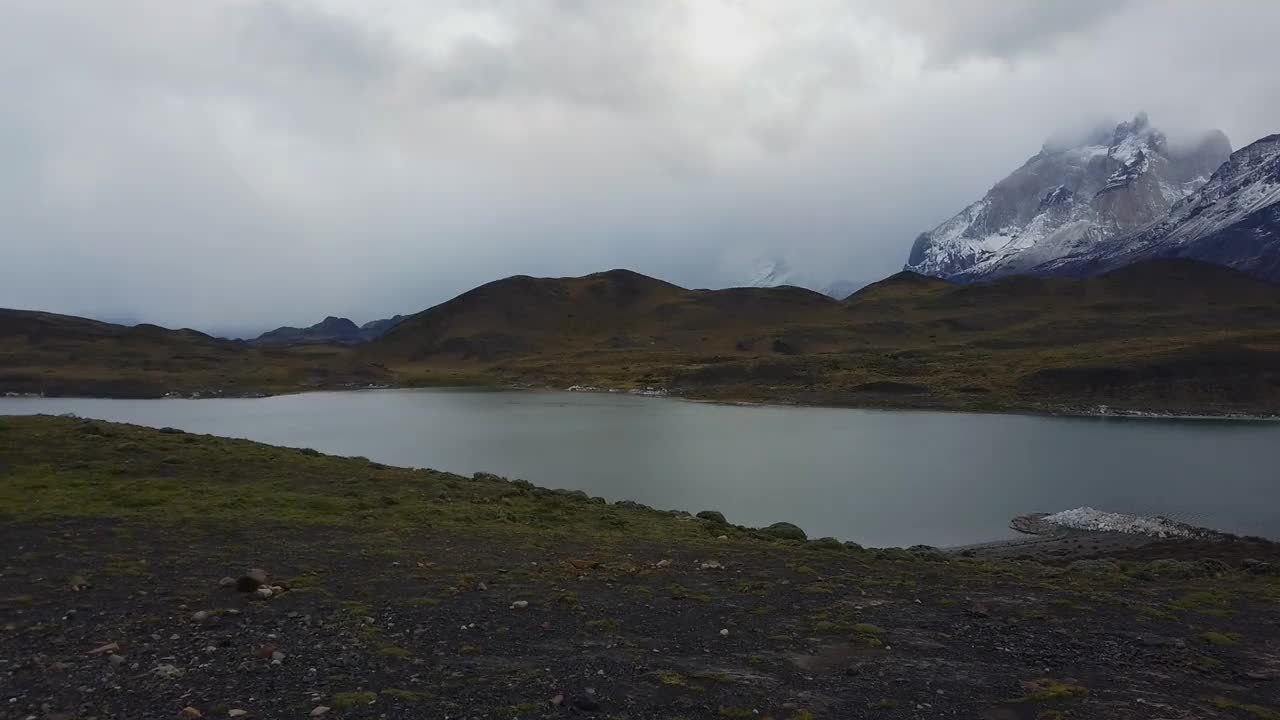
[877, 477]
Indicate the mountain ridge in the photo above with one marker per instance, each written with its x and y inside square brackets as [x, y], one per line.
[1067, 200]
[1232, 220]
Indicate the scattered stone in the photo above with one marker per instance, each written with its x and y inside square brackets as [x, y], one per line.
[200, 615]
[263, 593]
[319, 710]
[277, 657]
[711, 565]
[168, 671]
[108, 648]
[190, 713]
[520, 605]
[79, 584]
[722, 537]
[227, 582]
[785, 531]
[237, 713]
[116, 660]
[557, 701]
[1260, 568]
[663, 564]
[724, 632]
[978, 610]
[482, 587]
[927, 551]
[713, 516]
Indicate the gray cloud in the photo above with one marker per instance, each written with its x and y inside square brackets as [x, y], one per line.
[252, 163]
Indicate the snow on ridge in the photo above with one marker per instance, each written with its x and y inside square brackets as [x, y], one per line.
[1087, 518]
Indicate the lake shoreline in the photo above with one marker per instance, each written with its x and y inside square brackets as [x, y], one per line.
[1062, 411]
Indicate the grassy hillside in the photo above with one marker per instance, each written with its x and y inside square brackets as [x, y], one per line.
[1170, 335]
[401, 593]
[64, 355]
[1163, 335]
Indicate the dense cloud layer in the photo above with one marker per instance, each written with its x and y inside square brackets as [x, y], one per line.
[237, 165]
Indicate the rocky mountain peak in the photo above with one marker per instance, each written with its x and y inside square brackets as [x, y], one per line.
[1068, 198]
[1233, 219]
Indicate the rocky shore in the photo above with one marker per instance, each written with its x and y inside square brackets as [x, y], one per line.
[159, 574]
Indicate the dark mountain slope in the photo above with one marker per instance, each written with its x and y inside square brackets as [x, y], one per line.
[52, 354]
[1180, 334]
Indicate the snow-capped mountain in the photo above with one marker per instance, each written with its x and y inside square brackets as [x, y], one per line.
[1233, 220]
[773, 272]
[1069, 201]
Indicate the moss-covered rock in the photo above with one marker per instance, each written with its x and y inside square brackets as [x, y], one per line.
[785, 531]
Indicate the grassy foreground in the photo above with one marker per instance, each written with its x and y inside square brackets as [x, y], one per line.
[412, 593]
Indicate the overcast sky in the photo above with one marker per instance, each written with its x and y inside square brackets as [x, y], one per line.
[236, 165]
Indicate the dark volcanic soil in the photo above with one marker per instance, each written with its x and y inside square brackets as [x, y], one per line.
[433, 629]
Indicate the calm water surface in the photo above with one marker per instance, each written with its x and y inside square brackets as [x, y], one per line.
[877, 477]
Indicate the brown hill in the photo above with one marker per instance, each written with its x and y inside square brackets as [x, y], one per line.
[1167, 334]
[50, 354]
[614, 310]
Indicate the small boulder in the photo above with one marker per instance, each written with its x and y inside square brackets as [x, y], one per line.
[79, 584]
[520, 605]
[713, 516]
[785, 531]
[190, 713]
[237, 713]
[227, 583]
[663, 564]
[319, 710]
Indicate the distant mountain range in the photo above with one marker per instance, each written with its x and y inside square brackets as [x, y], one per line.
[775, 272]
[332, 329]
[1122, 196]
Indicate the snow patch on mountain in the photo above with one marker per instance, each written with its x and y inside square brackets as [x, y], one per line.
[1233, 219]
[776, 272]
[1067, 200]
